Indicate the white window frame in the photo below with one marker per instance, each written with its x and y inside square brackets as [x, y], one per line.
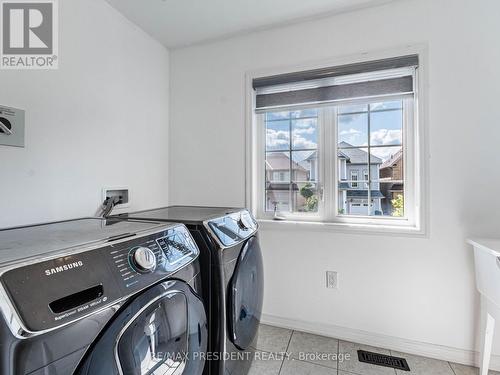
[415, 160]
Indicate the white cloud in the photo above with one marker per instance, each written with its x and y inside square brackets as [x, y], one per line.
[301, 142]
[310, 130]
[351, 136]
[305, 123]
[385, 137]
[350, 132]
[277, 139]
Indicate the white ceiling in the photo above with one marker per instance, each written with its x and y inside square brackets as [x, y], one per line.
[177, 23]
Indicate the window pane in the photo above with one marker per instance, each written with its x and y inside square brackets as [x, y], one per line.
[386, 128]
[358, 196]
[270, 116]
[397, 104]
[305, 133]
[312, 112]
[305, 197]
[305, 166]
[278, 135]
[353, 130]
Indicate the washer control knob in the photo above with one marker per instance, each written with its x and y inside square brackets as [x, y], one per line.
[144, 259]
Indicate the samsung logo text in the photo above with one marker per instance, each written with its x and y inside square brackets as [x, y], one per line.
[65, 267]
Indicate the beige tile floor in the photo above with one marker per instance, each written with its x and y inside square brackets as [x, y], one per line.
[274, 341]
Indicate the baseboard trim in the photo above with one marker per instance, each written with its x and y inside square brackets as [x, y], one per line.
[445, 353]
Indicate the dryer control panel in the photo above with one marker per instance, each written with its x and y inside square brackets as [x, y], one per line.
[58, 291]
[233, 228]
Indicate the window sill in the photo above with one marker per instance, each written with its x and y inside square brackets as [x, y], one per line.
[348, 228]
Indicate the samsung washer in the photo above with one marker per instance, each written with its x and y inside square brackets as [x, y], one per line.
[95, 296]
[232, 274]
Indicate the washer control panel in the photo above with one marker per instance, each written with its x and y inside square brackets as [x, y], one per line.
[58, 291]
[153, 257]
[176, 247]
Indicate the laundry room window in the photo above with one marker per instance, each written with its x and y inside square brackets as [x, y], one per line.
[339, 145]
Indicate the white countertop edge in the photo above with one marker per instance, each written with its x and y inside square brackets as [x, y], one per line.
[491, 245]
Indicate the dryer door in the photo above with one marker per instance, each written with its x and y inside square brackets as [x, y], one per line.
[163, 331]
[246, 292]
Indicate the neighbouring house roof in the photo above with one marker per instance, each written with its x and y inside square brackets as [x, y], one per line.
[281, 186]
[395, 158]
[364, 194]
[307, 161]
[341, 155]
[356, 155]
[313, 155]
[281, 161]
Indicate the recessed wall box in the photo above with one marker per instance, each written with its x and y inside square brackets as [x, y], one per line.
[121, 192]
[11, 126]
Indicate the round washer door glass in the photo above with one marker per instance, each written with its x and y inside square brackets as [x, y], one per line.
[162, 331]
[157, 340]
[246, 295]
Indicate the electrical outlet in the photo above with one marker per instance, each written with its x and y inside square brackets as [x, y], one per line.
[332, 280]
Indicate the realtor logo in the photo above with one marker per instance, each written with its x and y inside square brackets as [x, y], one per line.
[29, 34]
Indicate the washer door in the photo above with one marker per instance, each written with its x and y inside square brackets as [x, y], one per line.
[246, 291]
[163, 331]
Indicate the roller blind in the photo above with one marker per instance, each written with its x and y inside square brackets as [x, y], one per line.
[393, 76]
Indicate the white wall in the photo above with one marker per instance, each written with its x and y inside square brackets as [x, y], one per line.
[100, 120]
[418, 289]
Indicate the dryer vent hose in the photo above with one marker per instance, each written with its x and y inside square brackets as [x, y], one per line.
[108, 205]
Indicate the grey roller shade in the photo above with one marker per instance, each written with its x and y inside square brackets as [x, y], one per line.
[328, 92]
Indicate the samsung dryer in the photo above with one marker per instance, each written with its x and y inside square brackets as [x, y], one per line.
[232, 274]
[96, 296]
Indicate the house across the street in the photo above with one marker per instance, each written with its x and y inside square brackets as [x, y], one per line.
[353, 185]
[283, 188]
